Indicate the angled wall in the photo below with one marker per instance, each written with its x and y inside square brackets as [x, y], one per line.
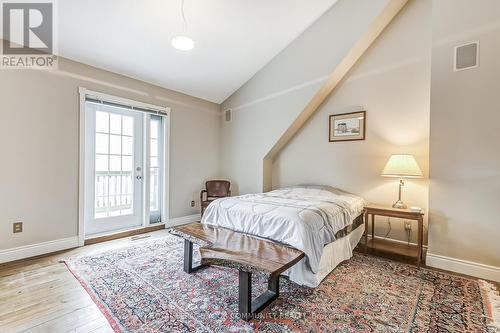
[398, 115]
[392, 83]
[268, 103]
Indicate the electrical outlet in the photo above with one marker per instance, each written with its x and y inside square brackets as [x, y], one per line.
[192, 203]
[17, 227]
[407, 226]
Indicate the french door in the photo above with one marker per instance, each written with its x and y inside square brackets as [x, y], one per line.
[124, 164]
[114, 168]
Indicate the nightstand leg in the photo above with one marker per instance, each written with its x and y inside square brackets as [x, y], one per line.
[373, 227]
[366, 232]
[420, 239]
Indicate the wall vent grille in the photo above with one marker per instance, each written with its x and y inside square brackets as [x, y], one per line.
[228, 116]
[466, 56]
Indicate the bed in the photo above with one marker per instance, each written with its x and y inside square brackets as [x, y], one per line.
[323, 222]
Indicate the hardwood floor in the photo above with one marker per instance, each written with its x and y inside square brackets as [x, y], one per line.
[41, 295]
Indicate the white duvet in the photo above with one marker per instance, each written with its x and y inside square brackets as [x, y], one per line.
[306, 218]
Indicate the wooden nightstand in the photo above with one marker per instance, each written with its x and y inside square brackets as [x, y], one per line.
[399, 213]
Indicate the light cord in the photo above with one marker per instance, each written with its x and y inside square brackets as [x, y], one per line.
[183, 16]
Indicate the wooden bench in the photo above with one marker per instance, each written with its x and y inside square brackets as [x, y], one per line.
[224, 247]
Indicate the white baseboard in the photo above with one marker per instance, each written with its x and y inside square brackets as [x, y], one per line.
[32, 250]
[183, 220]
[464, 267]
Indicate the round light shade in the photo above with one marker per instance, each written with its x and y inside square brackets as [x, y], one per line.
[182, 43]
[403, 165]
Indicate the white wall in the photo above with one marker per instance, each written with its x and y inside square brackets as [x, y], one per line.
[39, 119]
[465, 135]
[397, 114]
[266, 105]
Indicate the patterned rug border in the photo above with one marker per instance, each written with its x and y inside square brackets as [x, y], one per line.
[102, 307]
[491, 295]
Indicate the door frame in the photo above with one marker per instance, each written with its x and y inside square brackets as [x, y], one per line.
[165, 112]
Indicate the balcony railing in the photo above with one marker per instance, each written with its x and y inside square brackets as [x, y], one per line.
[114, 192]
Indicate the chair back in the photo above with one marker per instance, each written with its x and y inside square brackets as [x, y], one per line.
[218, 188]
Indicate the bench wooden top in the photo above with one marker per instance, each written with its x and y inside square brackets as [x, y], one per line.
[224, 247]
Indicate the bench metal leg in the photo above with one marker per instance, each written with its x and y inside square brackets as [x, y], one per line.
[247, 308]
[245, 295]
[188, 258]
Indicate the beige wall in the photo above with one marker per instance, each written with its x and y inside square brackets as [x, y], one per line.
[465, 134]
[398, 115]
[266, 105]
[392, 82]
[39, 127]
[39, 119]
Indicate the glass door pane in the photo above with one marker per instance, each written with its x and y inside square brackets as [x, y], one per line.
[114, 154]
[155, 168]
[114, 163]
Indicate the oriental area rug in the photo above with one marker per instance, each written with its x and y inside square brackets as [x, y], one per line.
[143, 288]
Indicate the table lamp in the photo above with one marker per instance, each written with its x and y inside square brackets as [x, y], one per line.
[402, 166]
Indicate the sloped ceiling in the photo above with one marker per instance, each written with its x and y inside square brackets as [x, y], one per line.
[233, 39]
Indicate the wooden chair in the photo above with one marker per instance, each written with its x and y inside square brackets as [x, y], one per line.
[214, 189]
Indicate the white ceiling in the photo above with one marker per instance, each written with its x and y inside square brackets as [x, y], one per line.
[234, 39]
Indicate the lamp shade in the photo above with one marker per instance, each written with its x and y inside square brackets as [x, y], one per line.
[402, 165]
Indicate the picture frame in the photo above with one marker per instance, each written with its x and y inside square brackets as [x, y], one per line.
[347, 126]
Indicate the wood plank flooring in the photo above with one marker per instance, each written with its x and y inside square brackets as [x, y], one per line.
[41, 295]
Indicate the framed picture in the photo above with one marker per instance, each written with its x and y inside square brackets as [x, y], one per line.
[347, 126]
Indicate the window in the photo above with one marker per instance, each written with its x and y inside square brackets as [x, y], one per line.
[155, 167]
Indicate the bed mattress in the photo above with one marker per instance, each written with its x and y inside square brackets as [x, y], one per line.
[307, 218]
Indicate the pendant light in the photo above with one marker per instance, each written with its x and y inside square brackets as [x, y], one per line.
[183, 42]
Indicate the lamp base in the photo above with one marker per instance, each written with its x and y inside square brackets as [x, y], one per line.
[399, 205]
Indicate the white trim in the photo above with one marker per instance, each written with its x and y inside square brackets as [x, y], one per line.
[81, 171]
[145, 169]
[118, 231]
[121, 100]
[166, 168]
[32, 250]
[463, 266]
[183, 220]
